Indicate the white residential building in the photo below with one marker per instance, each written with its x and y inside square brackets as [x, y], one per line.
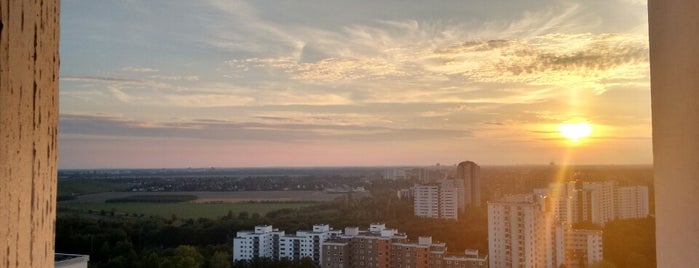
[295, 247]
[448, 203]
[523, 233]
[562, 200]
[596, 202]
[261, 242]
[426, 201]
[577, 247]
[307, 243]
[436, 200]
[517, 232]
[631, 202]
[265, 241]
[601, 201]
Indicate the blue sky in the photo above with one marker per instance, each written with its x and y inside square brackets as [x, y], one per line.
[318, 83]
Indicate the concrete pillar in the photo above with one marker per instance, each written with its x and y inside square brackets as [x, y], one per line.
[674, 60]
[28, 131]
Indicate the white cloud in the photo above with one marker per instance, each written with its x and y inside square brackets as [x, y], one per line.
[133, 69]
[189, 78]
[240, 29]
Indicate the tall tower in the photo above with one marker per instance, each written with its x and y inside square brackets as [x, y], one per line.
[469, 172]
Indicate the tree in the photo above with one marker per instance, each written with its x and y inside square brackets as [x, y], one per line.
[151, 260]
[630, 242]
[220, 259]
[305, 262]
[187, 256]
[243, 215]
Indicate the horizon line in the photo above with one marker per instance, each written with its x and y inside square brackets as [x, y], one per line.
[352, 166]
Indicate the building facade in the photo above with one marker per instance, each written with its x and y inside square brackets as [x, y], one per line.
[470, 259]
[382, 247]
[580, 248]
[267, 242]
[336, 254]
[469, 173]
[601, 201]
[516, 227]
[426, 200]
[524, 231]
[631, 202]
[376, 247]
[596, 202]
[436, 200]
[263, 242]
[306, 243]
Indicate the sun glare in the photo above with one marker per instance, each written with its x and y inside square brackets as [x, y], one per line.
[575, 131]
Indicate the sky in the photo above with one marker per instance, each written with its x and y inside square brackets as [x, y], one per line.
[167, 84]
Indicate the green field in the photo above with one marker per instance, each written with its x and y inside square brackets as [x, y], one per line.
[181, 210]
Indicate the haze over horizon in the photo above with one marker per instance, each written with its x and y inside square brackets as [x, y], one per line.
[170, 84]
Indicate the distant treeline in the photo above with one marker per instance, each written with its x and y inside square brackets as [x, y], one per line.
[153, 199]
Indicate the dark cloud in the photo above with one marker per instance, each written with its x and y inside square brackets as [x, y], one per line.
[581, 54]
[241, 131]
[603, 54]
[276, 118]
[99, 79]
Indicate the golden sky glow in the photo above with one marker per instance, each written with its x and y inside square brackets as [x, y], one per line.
[304, 83]
[575, 131]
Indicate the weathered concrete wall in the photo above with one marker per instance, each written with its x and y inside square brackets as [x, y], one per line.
[674, 60]
[28, 131]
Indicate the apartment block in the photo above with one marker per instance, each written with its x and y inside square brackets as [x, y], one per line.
[601, 201]
[470, 259]
[468, 172]
[524, 231]
[516, 227]
[263, 242]
[631, 202]
[410, 254]
[426, 200]
[361, 248]
[436, 200]
[534, 230]
[336, 254]
[595, 202]
[382, 247]
[375, 247]
[580, 248]
[438, 251]
[268, 242]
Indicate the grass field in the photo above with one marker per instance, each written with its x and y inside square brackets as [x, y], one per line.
[226, 197]
[181, 210]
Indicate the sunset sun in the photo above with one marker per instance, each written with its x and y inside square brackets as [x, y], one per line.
[575, 131]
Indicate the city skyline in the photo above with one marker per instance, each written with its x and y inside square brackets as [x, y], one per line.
[234, 84]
